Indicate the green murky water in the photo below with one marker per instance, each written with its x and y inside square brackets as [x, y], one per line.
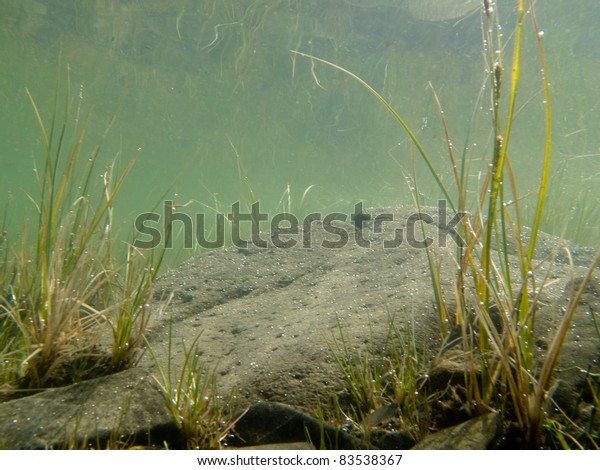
[224, 112]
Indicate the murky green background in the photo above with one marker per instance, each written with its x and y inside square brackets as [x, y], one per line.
[225, 112]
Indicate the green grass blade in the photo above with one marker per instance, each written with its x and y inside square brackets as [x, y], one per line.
[398, 118]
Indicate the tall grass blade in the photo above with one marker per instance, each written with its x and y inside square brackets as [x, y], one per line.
[388, 106]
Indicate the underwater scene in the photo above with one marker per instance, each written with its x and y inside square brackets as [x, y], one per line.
[225, 112]
[132, 129]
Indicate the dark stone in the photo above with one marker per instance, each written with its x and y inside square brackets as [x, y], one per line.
[126, 407]
[273, 423]
[398, 440]
[476, 434]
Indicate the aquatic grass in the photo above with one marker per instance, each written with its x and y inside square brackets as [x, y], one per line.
[11, 352]
[363, 374]
[74, 438]
[496, 303]
[130, 300]
[191, 396]
[131, 314]
[539, 396]
[60, 279]
[390, 377]
[412, 135]
[50, 297]
[406, 375]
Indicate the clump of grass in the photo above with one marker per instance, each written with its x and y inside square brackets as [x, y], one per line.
[129, 316]
[61, 282]
[496, 302]
[191, 397]
[392, 377]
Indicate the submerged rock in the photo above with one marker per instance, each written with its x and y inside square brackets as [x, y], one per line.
[273, 423]
[126, 407]
[476, 434]
[272, 322]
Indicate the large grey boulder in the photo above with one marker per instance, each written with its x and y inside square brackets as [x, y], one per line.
[271, 321]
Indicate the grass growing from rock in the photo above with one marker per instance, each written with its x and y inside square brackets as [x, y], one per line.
[389, 389]
[191, 397]
[62, 285]
[62, 282]
[496, 300]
